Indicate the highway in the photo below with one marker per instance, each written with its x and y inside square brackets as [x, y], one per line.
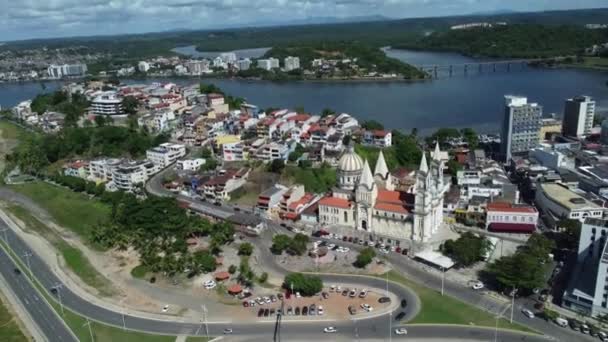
[49, 323]
[371, 328]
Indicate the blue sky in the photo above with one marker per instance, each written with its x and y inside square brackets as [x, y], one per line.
[24, 19]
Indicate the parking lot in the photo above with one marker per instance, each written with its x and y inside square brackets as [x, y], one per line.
[334, 302]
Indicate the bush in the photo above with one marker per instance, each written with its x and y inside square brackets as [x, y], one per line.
[263, 277]
[365, 257]
[307, 285]
[245, 248]
[232, 269]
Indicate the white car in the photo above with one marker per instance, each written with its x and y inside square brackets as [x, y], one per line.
[267, 300]
[400, 331]
[383, 250]
[320, 310]
[477, 286]
[528, 313]
[209, 284]
[298, 295]
[330, 330]
[367, 307]
[331, 245]
[165, 308]
[344, 249]
[332, 288]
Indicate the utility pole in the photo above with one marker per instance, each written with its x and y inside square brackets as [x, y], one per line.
[88, 323]
[205, 320]
[5, 235]
[27, 256]
[124, 308]
[513, 303]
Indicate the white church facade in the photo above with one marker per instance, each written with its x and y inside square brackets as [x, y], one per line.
[368, 202]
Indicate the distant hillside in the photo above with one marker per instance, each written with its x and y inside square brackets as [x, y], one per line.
[376, 33]
[518, 40]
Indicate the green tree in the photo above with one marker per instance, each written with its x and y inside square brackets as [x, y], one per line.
[245, 248]
[470, 136]
[365, 257]
[467, 249]
[232, 269]
[210, 165]
[327, 112]
[280, 242]
[130, 104]
[263, 277]
[572, 231]
[204, 261]
[276, 166]
[307, 285]
[372, 125]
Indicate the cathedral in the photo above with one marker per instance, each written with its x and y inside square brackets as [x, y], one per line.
[367, 201]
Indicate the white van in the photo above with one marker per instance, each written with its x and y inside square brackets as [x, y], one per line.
[562, 322]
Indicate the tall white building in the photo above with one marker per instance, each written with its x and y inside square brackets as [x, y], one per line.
[129, 175]
[166, 154]
[578, 116]
[143, 66]
[107, 103]
[587, 291]
[67, 70]
[268, 64]
[243, 64]
[228, 57]
[292, 63]
[196, 67]
[521, 126]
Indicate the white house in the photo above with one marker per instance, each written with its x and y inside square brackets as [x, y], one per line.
[190, 164]
[166, 154]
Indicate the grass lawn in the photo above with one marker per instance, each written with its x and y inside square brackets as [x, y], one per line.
[101, 332]
[9, 329]
[75, 211]
[596, 62]
[440, 309]
[73, 257]
[10, 131]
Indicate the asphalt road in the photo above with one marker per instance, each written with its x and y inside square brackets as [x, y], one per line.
[41, 312]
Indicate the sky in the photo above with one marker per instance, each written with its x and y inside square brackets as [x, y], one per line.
[25, 19]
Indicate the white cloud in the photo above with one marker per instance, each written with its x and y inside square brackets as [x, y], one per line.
[47, 18]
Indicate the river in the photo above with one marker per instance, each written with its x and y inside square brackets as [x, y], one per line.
[472, 100]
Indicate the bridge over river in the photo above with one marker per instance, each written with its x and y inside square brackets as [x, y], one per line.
[480, 67]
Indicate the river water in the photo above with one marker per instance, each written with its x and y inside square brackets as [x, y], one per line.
[471, 100]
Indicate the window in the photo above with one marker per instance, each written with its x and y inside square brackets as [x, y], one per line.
[345, 216]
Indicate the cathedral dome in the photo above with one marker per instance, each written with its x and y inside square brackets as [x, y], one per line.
[350, 162]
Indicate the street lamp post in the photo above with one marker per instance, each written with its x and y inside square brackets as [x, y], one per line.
[27, 256]
[512, 303]
[205, 320]
[88, 323]
[124, 308]
[5, 235]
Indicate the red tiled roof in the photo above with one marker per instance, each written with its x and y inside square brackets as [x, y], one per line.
[511, 208]
[335, 202]
[235, 288]
[263, 200]
[222, 275]
[299, 117]
[305, 199]
[380, 133]
[512, 228]
[390, 196]
[392, 207]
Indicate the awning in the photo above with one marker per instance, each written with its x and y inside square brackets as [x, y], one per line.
[512, 228]
[222, 275]
[435, 258]
[235, 289]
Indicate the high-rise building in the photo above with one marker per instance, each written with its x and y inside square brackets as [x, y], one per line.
[54, 71]
[292, 63]
[66, 70]
[228, 57]
[243, 64]
[521, 126]
[107, 103]
[268, 64]
[578, 116]
[143, 66]
[587, 291]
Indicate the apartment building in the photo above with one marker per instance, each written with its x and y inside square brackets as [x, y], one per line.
[511, 218]
[107, 103]
[521, 126]
[166, 154]
[190, 164]
[578, 116]
[218, 188]
[377, 138]
[101, 170]
[129, 175]
[272, 151]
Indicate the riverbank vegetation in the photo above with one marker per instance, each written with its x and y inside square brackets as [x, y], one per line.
[10, 330]
[512, 41]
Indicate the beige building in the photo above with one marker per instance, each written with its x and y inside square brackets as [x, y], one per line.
[549, 126]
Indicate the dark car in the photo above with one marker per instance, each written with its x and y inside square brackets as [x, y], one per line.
[245, 304]
[312, 310]
[17, 271]
[289, 311]
[325, 295]
[260, 312]
[384, 300]
[271, 312]
[316, 234]
[297, 311]
[403, 303]
[400, 316]
[344, 238]
[280, 296]
[345, 292]
[350, 239]
[352, 310]
[404, 251]
[304, 310]
[273, 298]
[219, 204]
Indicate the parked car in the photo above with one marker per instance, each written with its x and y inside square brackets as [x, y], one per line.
[383, 300]
[562, 322]
[332, 288]
[165, 308]
[260, 312]
[273, 298]
[345, 292]
[353, 293]
[585, 329]
[266, 312]
[280, 296]
[312, 310]
[528, 313]
[209, 284]
[477, 285]
[352, 310]
[304, 310]
[227, 331]
[400, 316]
[400, 331]
[17, 271]
[325, 295]
[320, 311]
[245, 304]
[330, 330]
[271, 312]
[297, 311]
[363, 293]
[367, 307]
[289, 311]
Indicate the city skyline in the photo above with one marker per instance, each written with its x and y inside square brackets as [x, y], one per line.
[33, 19]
